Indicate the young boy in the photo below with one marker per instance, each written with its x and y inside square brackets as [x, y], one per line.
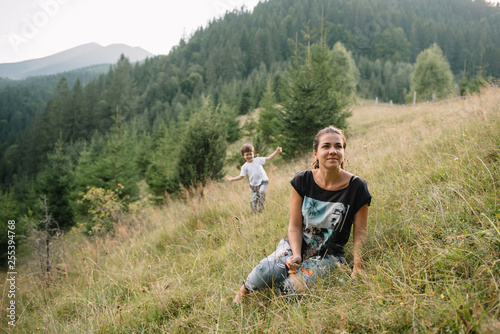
[256, 175]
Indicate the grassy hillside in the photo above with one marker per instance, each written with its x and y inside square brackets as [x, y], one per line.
[432, 255]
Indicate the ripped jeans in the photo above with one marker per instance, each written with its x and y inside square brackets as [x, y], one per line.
[258, 197]
[273, 272]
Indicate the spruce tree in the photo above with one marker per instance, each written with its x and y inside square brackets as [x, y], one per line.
[76, 117]
[227, 117]
[311, 100]
[110, 162]
[54, 183]
[269, 126]
[245, 102]
[202, 149]
[162, 174]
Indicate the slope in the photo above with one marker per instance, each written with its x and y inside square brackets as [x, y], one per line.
[431, 256]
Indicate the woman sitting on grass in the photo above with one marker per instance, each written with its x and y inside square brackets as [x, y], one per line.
[325, 203]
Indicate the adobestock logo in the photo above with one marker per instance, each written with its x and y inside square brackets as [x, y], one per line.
[33, 22]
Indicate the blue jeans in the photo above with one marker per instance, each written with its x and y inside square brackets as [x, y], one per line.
[258, 196]
[273, 272]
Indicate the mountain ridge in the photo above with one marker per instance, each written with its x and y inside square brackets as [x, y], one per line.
[78, 57]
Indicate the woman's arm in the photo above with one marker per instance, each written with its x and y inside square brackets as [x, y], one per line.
[295, 231]
[359, 237]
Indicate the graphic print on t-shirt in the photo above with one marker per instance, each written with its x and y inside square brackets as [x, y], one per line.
[322, 220]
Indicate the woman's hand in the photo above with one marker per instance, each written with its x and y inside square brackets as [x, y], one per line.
[293, 263]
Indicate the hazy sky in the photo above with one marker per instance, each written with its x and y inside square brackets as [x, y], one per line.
[37, 28]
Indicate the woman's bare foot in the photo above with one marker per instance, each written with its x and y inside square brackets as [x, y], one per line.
[298, 283]
[241, 294]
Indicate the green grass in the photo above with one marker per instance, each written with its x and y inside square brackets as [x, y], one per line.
[432, 255]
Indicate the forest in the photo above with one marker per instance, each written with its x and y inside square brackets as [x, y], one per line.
[69, 145]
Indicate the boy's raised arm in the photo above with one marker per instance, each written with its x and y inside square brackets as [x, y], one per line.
[229, 178]
[272, 155]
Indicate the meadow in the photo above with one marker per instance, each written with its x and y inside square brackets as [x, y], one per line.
[432, 253]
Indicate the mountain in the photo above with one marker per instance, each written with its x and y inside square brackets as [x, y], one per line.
[81, 56]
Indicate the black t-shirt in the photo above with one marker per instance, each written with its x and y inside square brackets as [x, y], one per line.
[327, 216]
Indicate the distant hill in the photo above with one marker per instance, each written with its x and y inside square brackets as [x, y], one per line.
[81, 56]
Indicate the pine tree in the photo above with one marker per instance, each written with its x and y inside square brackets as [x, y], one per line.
[121, 93]
[202, 148]
[77, 117]
[58, 110]
[82, 176]
[227, 117]
[53, 123]
[245, 102]
[110, 162]
[311, 100]
[270, 123]
[162, 174]
[54, 183]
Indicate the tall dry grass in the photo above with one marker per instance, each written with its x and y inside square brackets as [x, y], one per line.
[432, 254]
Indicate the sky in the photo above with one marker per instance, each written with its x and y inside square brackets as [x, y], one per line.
[32, 29]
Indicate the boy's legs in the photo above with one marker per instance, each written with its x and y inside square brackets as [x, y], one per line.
[255, 199]
[258, 196]
[262, 194]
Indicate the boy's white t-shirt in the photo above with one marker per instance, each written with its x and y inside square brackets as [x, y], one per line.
[255, 171]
